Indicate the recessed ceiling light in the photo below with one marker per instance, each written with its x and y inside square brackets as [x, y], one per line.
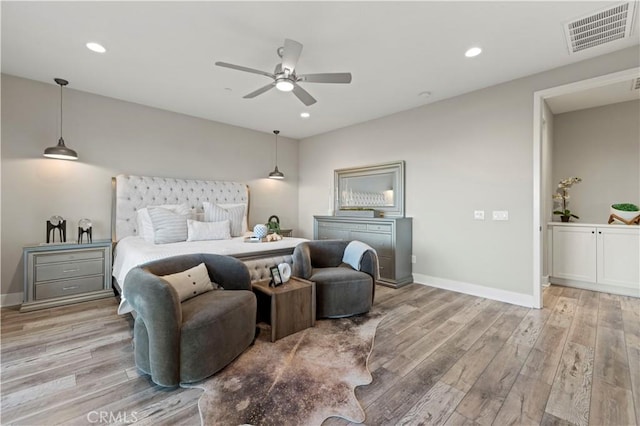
[98, 48]
[474, 51]
[305, 115]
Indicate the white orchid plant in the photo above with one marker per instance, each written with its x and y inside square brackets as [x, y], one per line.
[562, 196]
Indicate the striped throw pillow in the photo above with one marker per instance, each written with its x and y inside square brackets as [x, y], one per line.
[168, 227]
[215, 213]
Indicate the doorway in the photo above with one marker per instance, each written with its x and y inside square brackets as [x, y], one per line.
[540, 184]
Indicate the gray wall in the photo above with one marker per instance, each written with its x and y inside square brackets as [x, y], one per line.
[472, 152]
[113, 137]
[602, 146]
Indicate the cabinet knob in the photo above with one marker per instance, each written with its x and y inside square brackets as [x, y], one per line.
[593, 232]
[599, 232]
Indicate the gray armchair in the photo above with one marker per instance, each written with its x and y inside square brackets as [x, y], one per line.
[341, 291]
[189, 341]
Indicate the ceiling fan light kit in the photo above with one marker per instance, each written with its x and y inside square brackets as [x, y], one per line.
[285, 78]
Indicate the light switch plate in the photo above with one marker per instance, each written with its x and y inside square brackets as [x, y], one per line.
[500, 215]
[478, 214]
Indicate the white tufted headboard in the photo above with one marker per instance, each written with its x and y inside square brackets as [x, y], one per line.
[131, 193]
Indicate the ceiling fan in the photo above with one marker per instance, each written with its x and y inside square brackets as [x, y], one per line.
[285, 78]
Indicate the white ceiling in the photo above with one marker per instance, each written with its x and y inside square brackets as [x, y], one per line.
[162, 54]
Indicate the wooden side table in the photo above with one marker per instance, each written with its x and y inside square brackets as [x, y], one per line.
[289, 308]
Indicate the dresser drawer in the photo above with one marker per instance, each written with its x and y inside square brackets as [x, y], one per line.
[379, 228]
[381, 242]
[69, 287]
[338, 225]
[69, 256]
[56, 271]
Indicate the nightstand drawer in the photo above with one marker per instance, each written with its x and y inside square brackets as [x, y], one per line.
[58, 271]
[69, 287]
[69, 256]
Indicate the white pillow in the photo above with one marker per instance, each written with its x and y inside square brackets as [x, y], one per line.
[201, 231]
[168, 227]
[145, 227]
[191, 282]
[216, 213]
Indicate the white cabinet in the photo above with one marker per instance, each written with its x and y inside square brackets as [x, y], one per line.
[597, 257]
[618, 257]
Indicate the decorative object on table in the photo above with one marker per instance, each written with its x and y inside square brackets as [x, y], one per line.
[260, 231]
[276, 174]
[61, 151]
[285, 271]
[360, 212]
[273, 237]
[626, 213]
[276, 279]
[562, 196]
[56, 223]
[273, 223]
[85, 227]
[295, 361]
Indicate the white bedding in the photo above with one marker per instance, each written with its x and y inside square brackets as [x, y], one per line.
[133, 251]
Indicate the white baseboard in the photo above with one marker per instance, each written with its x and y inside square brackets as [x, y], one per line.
[10, 299]
[476, 290]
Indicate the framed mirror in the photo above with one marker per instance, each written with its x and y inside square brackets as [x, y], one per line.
[379, 187]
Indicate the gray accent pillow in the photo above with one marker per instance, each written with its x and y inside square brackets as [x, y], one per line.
[168, 227]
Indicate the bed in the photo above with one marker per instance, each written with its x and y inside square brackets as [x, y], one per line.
[133, 193]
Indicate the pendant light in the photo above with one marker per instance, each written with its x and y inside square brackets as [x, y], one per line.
[276, 174]
[60, 151]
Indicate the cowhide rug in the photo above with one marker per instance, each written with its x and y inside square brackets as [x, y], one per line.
[301, 379]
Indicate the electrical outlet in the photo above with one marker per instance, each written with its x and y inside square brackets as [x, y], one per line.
[413, 259]
[478, 214]
[500, 215]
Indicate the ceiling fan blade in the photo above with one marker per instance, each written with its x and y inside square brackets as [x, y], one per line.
[245, 69]
[303, 95]
[335, 77]
[291, 54]
[260, 91]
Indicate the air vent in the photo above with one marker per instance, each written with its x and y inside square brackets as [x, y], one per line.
[604, 26]
[636, 84]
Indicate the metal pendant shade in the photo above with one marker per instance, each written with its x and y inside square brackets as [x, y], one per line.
[61, 151]
[276, 174]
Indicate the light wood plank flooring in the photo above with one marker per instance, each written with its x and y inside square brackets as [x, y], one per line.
[440, 358]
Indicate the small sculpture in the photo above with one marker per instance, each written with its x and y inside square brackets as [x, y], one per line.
[84, 227]
[56, 222]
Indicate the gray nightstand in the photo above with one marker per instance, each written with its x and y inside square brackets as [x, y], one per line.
[61, 274]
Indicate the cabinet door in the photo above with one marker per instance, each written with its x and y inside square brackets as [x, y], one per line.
[619, 257]
[574, 253]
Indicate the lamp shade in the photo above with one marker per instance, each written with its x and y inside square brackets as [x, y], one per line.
[60, 152]
[276, 174]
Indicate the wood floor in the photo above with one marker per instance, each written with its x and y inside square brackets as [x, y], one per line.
[439, 358]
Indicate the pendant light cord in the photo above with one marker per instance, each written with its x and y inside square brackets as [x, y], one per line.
[61, 111]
